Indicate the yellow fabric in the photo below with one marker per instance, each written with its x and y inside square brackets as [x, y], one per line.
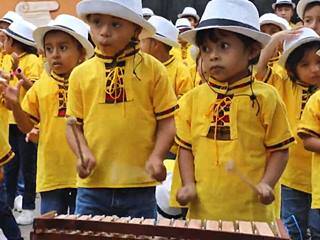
[29, 63]
[5, 150]
[120, 115]
[297, 174]
[178, 76]
[221, 123]
[45, 104]
[195, 76]
[183, 54]
[310, 125]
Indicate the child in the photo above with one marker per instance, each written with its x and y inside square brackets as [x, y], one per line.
[159, 46]
[147, 13]
[25, 65]
[309, 12]
[270, 24]
[231, 117]
[65, 44]
[191, 14]
[7, 224]
[295, 86]
[183, 52]
[124, 105]
[284, 9]
[308, 131]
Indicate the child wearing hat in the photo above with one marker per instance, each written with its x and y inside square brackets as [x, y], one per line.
[191, 14]
[231, 117]
[183, 51]
[124, 106]
[147, 13]
[295, 85]
[159, 46]
[309, 12]
[65, 45]
[284, 9]
[22, 65]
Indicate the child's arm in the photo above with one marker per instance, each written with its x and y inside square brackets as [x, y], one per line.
[164, 139]
[22, 119]
[186, 166]
[310, 143]
[86, 166]
[275, 166]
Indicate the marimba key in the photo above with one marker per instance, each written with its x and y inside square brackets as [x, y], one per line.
[245, 227]
[195, 223]
[227, 226]
[263, 229]
[212, 225]
[179, 223]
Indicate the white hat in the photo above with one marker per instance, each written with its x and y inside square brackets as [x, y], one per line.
[215, 16]
[283, 2]
[306, 35]
[70, 25]
[318, 52]
[189, 11]
[130, 10]
[271, 18]
[302, 4]
[10, 17]
[147, 12]
[166, 32]
[21, 31]
[183, 23]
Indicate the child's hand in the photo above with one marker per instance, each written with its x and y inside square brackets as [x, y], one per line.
[11, 95]
[281, 36]
[265, 192]
[156, 169]
[85, 166]
[33, 135]
[186, 194]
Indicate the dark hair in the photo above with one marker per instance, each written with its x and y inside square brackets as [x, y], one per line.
[213, 36]
[295, 57]
[310, 5]
[25, 48]
[79, 46]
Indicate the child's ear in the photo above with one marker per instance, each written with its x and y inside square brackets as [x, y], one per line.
[137, 32]
[254, 51]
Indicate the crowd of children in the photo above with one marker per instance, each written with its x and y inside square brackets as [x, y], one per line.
[121, 112]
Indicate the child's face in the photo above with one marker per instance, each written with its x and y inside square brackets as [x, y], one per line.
[62, 52]
[111, 34]
[311, 18]
[270, 29]
[308, 69]
[284, 11]
[8, 44]
[225, 58]
[3, 25]
[192, 21]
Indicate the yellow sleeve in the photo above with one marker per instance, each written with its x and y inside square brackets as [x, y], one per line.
[74, 103]
[183, 81]
[278, 133]
[183, 123]
[310, 121]
[32, 70]
[30, 104]
[164, 98]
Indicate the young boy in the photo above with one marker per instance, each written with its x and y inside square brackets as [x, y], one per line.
[65, 45]
[309, 12]
[270, 24]
[124, 106]
[159, 46]
[191, 14]
[231, 117]
[284, 9]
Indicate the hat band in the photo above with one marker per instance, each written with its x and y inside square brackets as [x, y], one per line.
[224, 22]
[17, 35]
[67, 28]
[183, 26]
[7, 19]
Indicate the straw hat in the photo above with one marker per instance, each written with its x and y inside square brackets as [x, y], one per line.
[183, 24]
[147, 12]
[189, 11]
[10, 17]
[283, 2]
[271, 18]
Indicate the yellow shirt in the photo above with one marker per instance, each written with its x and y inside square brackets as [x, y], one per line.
[5, 150]
[297, 174]
[119, 115]
[224, 122]
[195, 76]
[183, 54]
[45, 102]
[310, 125]
[178, 76]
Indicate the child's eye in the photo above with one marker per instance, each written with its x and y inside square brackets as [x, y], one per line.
[96, 21]
[224, 45]
[116, 24]
[63, 48]
[204, 49]
[48, 49]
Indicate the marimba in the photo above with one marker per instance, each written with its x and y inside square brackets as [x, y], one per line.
[69, 227]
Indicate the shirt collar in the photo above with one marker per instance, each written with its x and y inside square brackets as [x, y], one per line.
[226, 88]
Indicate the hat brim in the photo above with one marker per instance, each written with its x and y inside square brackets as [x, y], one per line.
[84, 8]
[6, 20]
[182, 15]
[318, 52]
[40, 33]
[274, 5]
[282, 26]
[284, 57]
[162, 39]
[18, 37]
[260, 37]
[302, 6]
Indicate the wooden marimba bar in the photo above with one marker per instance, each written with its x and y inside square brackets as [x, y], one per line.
[70, 227]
